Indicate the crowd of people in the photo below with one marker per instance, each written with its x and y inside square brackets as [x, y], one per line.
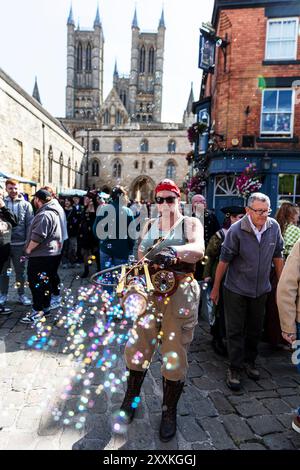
[251, 265]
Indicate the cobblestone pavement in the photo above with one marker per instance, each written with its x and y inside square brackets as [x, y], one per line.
[210, 416]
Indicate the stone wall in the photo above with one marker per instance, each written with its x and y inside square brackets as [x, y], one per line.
[29, 135]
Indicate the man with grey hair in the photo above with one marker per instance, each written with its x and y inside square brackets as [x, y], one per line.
[249, 248]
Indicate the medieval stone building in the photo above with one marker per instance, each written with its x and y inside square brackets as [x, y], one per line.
[125, 140]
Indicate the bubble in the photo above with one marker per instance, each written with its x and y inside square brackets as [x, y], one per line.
[17, 285]
[171, 360]
[9, 271]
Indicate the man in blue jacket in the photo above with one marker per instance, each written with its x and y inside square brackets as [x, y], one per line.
[112, 227]
[249, 248]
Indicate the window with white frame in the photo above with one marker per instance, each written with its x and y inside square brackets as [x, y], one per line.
[289, 188]
[277, 113]
[281, 41]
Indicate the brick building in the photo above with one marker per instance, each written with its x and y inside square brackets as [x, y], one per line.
[253, 98]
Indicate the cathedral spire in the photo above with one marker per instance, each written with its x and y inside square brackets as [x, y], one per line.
[116, 69]
[190, 100]
[36, 93]
[97, 21]
[135, 21]
[162, 19]
[71, 17]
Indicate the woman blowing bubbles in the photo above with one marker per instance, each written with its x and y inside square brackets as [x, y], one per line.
[172, 312]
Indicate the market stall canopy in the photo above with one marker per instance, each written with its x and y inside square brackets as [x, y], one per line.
[73, 192]
[4, 176]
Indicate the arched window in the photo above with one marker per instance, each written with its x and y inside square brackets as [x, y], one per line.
[95, 168]
[88, 58]
[142, 59]
[171, 146]
[117, 145]
[79, 57]
[61, 169]
[151, 165]
[117, 169]
[95, 145]
[144, 147]
[50, 164]
[106, 118]
[141, 107]
[69, 172]
[119, 119]
[123, 97]
[151, 61]
[138, 117]
[171, 171]
[136, 165]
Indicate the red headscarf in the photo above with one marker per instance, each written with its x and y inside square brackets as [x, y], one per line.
[167, 185]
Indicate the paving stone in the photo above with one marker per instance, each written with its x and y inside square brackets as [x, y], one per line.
[239, 398]
[293, 401]
[153, 403]
[221, 403]
[252, 446]
[213, 371]
[237, 428]
[29, 418]
[263, 425]
[191, 430]
[195, 371]
[8, 417]
[285, 382]
[205, 383]
[89, 444]
[203, 446]
[286, 419]
[218, 435]
[140, 437]
[252, 408]
[276, 405]
[22, 441]
[285, 392]
[264, 394]
[278, 442]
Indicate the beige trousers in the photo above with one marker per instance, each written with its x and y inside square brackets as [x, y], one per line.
[170, 322]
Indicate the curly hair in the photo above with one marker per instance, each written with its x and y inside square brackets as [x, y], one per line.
[285, 214]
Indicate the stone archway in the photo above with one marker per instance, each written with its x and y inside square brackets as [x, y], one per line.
[142, 189]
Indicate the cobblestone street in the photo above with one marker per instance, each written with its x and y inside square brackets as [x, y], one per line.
[210, 416]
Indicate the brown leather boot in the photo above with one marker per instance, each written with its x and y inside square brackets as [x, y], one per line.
[172, 392]
[134, 384]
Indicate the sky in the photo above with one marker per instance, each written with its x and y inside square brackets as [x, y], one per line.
[33, 42]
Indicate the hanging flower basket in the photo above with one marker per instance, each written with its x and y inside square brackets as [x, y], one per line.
[190, 156]
[195, 130]
[248, 182]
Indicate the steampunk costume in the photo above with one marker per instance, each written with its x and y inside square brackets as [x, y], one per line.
[169, 322]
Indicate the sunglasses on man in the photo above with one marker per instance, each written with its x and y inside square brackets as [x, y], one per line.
[169, 199]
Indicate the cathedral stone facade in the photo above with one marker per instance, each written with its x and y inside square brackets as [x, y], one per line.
[125, 140]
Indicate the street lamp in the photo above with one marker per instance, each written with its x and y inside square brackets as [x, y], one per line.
[266, 162]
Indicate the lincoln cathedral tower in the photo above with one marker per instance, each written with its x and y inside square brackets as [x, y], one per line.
[84, 94]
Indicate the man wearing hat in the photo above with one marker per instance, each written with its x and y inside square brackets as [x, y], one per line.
[43, 247]
[250, 247]
[212, 252]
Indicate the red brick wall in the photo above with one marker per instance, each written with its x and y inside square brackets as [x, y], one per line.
[234, 90]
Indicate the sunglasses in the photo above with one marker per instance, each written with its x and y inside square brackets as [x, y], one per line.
[169, 200]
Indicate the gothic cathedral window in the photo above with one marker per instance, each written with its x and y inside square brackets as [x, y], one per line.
[79, 57]
[142, 59]
[151, 61]
[88, 64]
